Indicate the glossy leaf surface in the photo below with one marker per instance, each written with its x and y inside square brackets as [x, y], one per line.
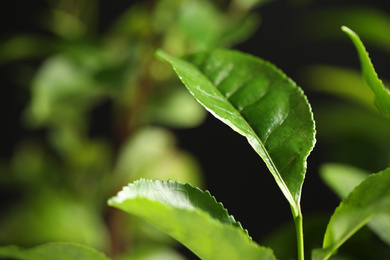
[191, 216]
[382, 94]
[258, 101]
[343, 179]
[58, 251]
[370, 198]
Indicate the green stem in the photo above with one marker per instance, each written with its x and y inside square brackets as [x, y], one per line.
[299, 231]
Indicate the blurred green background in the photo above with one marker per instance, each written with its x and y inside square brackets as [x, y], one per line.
[87, 108]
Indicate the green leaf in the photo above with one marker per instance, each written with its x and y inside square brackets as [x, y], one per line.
[57, 251]
[53, 215]
[191, 216]
[382, 94]
[62, 91]
[258, 101]
[370, 198]
[340, 82]
[151, 153]
[343, 179]
[175, 107]
[373, 24]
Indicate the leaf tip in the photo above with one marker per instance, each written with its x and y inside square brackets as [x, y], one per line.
[159, 53]
[345, 28]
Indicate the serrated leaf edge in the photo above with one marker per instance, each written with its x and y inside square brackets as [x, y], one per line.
[125, 189]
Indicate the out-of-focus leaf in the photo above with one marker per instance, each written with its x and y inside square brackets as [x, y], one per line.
[65, 24]
[213, 27]
[51, 216]
[248, 4]
[136, 22]
[25, 46]
[61, 91]
[78, 150]
[340, 82]
[382, 94]
[239, 31]
[175, 107]
[192, 217]
[58, 251]
[258, 101]
[341, 120]
[151, 153]
[369, 198]
[152, 253]
[208, 27]
[372, 24]
[343, 179]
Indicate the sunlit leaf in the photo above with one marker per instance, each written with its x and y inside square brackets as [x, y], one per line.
[151, 153]
[175, 107]
[62, 90]
[370, 198]
[58, 251]
[191, 216]
[382, 94]
[258, 101]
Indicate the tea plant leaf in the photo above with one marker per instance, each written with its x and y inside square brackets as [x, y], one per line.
[343, 179]
[382, 94]
[370, 198]
[191, 216]
[261, 103]
[58, 251]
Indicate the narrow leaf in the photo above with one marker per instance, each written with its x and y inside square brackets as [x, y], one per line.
[370, 198]
[191, 216]
[343, 179]
[58, 251]
[382, 94]
[258, 101]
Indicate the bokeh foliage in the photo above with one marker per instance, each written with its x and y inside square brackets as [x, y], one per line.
[58, 181]
[101, 108]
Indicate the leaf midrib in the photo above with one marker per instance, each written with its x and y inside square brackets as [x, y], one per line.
[272, 166]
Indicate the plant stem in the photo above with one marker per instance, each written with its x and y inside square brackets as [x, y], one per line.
[299, 231]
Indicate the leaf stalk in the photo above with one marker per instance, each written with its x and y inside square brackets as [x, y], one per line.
[298, 219]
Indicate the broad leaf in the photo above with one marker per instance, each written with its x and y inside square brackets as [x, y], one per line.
[382, 94]
[258, 101]
[343, 179]
[58, 251]
[370, 198]
[192, 217]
